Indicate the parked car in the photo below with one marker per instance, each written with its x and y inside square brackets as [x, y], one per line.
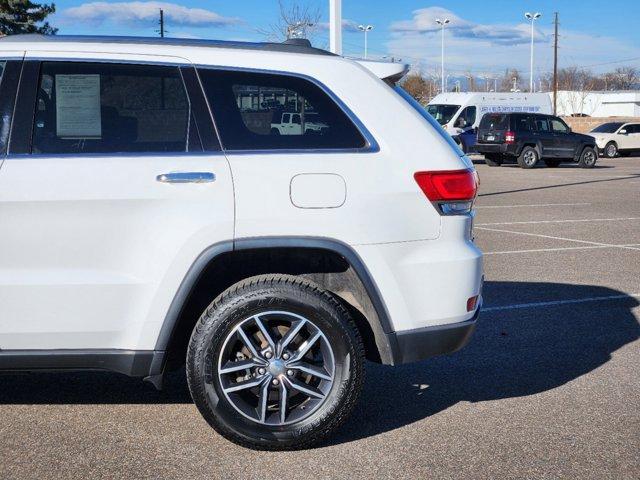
[617, 138]
[529, 138]
[147, 224]
[290, 123]
[460, 113]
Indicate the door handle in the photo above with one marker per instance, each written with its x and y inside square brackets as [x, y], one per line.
[186, 177]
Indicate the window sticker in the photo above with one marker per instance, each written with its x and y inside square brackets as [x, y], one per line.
[78, 106]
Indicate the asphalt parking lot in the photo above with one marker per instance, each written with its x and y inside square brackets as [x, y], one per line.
[548, 388]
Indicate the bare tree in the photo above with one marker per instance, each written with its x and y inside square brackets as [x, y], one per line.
[471, 81]
[295, 20]
[510, 78]
[422, 88]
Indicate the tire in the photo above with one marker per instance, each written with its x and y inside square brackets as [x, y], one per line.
[336, 357]
[528, 158]
[493, 160]
[611, 150]
[275, 131]
[553, 163]
[588, 158]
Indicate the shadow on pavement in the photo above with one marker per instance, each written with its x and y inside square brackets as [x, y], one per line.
[514, 352]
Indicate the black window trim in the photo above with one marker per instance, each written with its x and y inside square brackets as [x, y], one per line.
[371, 145]
[21, 142]
[9, 83]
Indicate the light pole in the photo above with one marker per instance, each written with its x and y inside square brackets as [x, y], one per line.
[442, 23]
[533, 17]
[366, 29]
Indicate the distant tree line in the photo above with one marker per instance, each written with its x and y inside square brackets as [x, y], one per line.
[423, 86]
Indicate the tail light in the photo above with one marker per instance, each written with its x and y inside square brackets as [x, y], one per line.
[509, 137]
[451, 191]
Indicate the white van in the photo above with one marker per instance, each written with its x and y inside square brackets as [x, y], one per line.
[460, 113]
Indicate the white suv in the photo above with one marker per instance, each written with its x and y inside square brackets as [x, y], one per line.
[149, 217]
[616, 138]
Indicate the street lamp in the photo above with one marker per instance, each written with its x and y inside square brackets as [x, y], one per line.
[533, 17]
[366, 29]
[442, 23]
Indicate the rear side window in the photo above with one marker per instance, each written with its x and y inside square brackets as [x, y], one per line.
[262, 111]
[104, 108]
[495, 121]
[541, 124]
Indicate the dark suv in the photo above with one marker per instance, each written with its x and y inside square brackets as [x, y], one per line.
[529, 137]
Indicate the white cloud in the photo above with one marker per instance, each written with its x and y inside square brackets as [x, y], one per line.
[143, 13]
[490, 49]
[424, 21]
[347, 26]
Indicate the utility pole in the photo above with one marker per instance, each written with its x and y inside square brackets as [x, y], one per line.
[443, 23]
[335, 26]
[161, 23]
[555, 64]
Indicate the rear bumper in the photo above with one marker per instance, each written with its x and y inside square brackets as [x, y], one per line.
[423, 343]
[501, 148]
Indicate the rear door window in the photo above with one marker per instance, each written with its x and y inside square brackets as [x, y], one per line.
[106, 108]
[541, 124]
[251, 110]
[522, 124]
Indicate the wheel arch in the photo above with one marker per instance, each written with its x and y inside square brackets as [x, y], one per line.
[330, 263]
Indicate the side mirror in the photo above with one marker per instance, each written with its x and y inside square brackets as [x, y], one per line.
[622, 132]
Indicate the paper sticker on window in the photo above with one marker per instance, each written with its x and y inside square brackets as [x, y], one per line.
[78, 106]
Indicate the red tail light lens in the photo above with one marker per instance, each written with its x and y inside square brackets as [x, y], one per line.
[452, 192]
[448, 185]
[509, 137]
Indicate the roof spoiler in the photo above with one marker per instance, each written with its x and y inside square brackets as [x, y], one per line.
[390, 72]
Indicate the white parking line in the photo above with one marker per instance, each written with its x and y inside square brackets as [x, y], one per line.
[556, 238]
[560, 302]
[561, 221]
[559, 249]
[535, 205]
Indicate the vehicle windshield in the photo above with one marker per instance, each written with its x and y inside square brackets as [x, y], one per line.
[421, 110]
[442, 113]
[607, 127]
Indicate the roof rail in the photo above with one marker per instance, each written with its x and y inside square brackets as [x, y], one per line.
[297, 45]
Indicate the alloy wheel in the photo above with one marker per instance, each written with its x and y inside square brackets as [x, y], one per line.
[276, 368]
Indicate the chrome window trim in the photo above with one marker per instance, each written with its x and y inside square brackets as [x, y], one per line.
[177, 66]
[24, 156]
[371, 146]
[163, 63]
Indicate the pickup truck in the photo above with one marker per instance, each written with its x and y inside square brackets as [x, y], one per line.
[291, 124]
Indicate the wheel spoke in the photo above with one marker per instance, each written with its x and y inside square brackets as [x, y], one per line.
[318, 372]
[304, 348]
[253, 382]
[290, 335]
[231, 367]
[283, 402]
[248, 343]
[263, 400]
[304, 388]
[265, 332]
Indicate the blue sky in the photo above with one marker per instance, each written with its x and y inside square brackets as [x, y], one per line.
[484, 37]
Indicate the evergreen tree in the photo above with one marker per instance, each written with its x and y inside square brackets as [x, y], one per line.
[24, 16]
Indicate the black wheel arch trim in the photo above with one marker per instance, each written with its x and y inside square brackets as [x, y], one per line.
[382, 328]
